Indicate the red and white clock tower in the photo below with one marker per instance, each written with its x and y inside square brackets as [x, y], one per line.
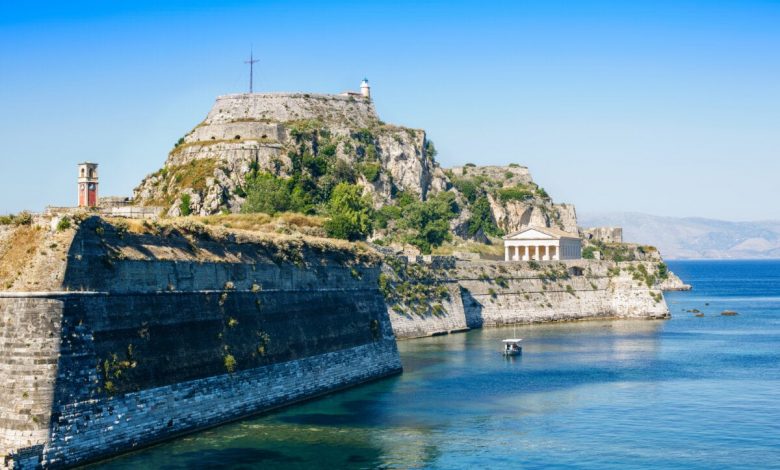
[88, 184]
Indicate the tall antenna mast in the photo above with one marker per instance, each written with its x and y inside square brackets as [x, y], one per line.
[251, 63]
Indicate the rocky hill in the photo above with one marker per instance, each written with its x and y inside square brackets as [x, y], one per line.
[307, 144]
[287, 134]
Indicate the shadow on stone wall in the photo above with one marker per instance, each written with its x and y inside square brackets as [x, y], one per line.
[472, 308]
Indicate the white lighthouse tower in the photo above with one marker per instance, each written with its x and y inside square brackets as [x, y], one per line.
[365, 90]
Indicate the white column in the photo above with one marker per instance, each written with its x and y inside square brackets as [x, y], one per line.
[506, 252]
[517, 253]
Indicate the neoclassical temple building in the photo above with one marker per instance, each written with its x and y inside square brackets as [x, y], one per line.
[542, 244]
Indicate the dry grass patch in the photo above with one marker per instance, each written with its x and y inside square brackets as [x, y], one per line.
[16, 253]
[263, 222]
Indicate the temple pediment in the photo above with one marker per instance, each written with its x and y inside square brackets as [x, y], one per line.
[540, 233]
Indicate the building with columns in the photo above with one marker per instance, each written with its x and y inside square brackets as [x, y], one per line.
[542, 244]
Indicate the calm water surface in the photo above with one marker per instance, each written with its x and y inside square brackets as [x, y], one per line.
[683, 393]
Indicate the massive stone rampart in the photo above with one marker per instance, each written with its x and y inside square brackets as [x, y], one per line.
[152, 335]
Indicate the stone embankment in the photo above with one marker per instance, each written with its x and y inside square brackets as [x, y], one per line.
[113, 337]
[437, 298]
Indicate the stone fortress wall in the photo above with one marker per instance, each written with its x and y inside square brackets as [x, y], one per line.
[495, 293]
[149, 337]
[283, 107]
[603, 234]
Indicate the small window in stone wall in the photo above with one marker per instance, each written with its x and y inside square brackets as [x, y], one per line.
[576, 271]
[238, 137]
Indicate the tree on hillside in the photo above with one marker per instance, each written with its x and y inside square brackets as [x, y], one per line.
[482, 218]
[428, 223]
[350, 213]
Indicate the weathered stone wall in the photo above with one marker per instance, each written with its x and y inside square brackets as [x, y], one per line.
[281, 107]
[603, 234]
[452, 319]
[499, 293]
[154, 336]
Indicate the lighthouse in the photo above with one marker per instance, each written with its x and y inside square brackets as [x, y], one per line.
[88, 184]
[365, 90]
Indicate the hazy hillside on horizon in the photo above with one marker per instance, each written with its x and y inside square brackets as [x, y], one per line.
[694, 237]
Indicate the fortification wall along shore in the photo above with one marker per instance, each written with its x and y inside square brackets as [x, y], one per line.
[495, 293]
[152, 335]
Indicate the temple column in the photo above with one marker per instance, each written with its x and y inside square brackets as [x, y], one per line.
[506, 252]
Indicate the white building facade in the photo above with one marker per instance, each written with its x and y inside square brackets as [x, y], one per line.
[542, 244]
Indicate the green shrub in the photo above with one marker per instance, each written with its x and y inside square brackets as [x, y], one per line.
[542, 193]
[370, 171]
[317, 166]
[589, 252]
[515, 193]
[63, 224]
[430, 149]
[23, 218]
[482, 218]
[428, 223]
[327, 150]
[270, 194]
[351, 213]
[468, 188]
[662, 271]
[184, 206]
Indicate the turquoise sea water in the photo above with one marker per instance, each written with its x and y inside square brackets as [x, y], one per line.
[682, 393]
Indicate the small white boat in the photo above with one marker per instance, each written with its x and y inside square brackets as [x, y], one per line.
[512, 347]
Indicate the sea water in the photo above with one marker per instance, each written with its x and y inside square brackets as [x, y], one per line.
[690, 392]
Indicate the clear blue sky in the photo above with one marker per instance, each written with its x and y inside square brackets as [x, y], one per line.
[666, 107]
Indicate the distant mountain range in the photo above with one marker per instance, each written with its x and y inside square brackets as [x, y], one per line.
[693, 237]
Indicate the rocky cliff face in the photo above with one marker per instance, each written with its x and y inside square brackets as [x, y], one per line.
[515, 200]
[265, 131]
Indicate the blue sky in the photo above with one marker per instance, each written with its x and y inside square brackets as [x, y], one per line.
[665, 107]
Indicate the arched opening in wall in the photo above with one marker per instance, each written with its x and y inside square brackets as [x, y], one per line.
[238, 137]
[82, 172]
[91, 173]
[576, 271]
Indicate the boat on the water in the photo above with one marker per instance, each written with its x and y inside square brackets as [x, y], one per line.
[512, 347]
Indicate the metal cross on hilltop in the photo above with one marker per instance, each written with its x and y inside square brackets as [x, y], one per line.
[251, 63]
